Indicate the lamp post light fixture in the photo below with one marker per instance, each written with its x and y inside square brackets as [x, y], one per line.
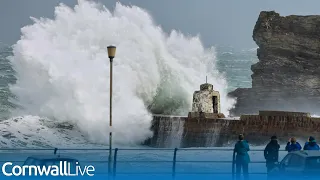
[111, 54]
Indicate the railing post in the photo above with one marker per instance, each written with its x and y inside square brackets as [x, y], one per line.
[55, 151]
[233, 164]
[110, 164]
[115, 163]
[174, 163]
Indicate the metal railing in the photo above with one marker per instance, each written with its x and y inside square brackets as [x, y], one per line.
[115, 161]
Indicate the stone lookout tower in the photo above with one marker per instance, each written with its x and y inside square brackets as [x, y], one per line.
[206, 103]
[206, 100]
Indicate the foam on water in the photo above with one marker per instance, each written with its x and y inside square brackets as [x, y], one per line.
[62, 71]
[33, 132]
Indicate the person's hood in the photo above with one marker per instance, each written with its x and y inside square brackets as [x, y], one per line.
[312, 143]
[274, 141]
[311, 138]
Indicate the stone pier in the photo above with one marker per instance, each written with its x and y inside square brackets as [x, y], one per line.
[214, 132]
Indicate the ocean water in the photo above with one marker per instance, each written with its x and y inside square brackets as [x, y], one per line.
[236, 64]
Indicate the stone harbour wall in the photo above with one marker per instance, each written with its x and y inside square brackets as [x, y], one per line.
[258, 129]
[199, 131]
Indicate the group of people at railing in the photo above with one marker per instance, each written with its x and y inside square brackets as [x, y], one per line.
[271, 152]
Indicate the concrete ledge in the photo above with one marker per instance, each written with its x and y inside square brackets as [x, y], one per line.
[171, 116]
[205, 115]
[284, 113]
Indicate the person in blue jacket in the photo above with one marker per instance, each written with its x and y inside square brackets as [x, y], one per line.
[311, 144]
[293, 145]
[241, 149]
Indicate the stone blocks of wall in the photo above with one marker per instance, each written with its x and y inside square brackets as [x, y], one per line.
[258, 129]
[284, 113]
[201, 131]
[165, 130]
[206, 115]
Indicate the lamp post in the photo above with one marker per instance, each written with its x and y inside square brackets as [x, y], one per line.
[111, 54]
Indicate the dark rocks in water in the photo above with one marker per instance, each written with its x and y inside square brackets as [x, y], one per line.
[8, 135]
[65, 126]
[21, 143]
[287, 76]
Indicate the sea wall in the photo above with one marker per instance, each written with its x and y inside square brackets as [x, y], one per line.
[287, 75]
[167, 131]
[201, 131]
[258, 129]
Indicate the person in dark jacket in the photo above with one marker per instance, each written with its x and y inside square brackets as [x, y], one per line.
[241, 149]
[311, 144]
[293, 145]
[271, 153]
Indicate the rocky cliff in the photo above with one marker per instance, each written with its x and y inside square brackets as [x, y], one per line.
[287, 76]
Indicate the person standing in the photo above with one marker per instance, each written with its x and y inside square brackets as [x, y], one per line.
[241, 149]
[311, 144]
[271, 153]
[293, 145]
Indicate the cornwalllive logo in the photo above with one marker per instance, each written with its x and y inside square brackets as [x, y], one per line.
[63, 169]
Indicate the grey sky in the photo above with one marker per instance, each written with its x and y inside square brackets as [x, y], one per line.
[219, 22]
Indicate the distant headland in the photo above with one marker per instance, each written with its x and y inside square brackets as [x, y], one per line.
[287, 76]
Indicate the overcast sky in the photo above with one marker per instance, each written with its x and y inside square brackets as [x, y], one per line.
[219, 22]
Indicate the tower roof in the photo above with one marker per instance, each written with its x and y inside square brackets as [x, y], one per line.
[206, 86]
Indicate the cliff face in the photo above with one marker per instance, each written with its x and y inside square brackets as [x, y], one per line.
[287, 76]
